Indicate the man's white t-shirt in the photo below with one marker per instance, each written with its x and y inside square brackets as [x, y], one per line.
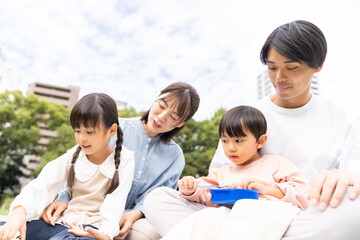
[311, 136]
[350, 159]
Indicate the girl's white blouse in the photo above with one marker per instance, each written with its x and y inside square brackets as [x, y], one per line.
[40, 192]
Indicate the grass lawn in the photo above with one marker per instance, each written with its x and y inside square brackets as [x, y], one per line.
[4, 211]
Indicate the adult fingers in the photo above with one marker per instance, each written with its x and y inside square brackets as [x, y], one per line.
[55, 216]
[122, 220]
[317, 187]
[355, 190]
[328, 189]
[46, 215]
[340, 189]
[45, 218]
[124, 231]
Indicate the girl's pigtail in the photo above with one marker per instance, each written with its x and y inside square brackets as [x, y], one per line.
[71, 176]
[115, 180]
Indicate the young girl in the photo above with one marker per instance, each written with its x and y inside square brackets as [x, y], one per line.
[98, 177]
[243, 133]
[159, 161]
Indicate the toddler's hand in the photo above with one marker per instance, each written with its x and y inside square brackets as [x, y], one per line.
[188, 185]
[254, 183]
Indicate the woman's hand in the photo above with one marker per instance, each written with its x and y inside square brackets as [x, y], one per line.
[16, 222]
[78, 230]
[188, 185]
[330, 186]
[52, 212]
[126, 222]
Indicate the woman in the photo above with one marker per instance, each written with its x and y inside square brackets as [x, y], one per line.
[306, 129]
[159, 161]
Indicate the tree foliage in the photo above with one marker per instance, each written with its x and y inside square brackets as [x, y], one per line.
[20, 117]
[199, 141]
[128, 113]
[57, 146]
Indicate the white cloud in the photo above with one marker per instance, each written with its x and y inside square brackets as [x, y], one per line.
[133, 49]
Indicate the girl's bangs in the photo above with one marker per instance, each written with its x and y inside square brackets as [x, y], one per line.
[86, 115]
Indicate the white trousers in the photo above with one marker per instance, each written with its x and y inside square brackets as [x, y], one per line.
[142, 230]
[164, 208]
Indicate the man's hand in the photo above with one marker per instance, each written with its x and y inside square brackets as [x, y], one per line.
[53, 211]
[330, 186]
[126, 222]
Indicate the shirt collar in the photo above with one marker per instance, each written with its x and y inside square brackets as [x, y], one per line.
[85, 170]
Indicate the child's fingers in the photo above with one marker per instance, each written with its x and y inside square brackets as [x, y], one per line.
[248, 181]
[70, 225]
[252, 185]
[185, 182]
[8, 233]
[195, 186]
[22, 231]
[96, 233]
[245, 183]
[190, 183]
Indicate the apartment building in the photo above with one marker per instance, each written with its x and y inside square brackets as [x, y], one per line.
[66, 96]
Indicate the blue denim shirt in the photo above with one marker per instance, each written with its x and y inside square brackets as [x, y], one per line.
[156, 163]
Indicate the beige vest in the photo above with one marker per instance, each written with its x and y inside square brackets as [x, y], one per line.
[86, 200]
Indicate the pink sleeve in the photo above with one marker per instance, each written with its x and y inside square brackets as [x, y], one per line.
[292, 183]
[199, 195]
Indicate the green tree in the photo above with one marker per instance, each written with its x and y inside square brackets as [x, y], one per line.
[128, 113]
[57, 146]
[20, 118]
[199, 141]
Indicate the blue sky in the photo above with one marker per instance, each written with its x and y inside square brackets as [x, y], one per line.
[133, 49]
